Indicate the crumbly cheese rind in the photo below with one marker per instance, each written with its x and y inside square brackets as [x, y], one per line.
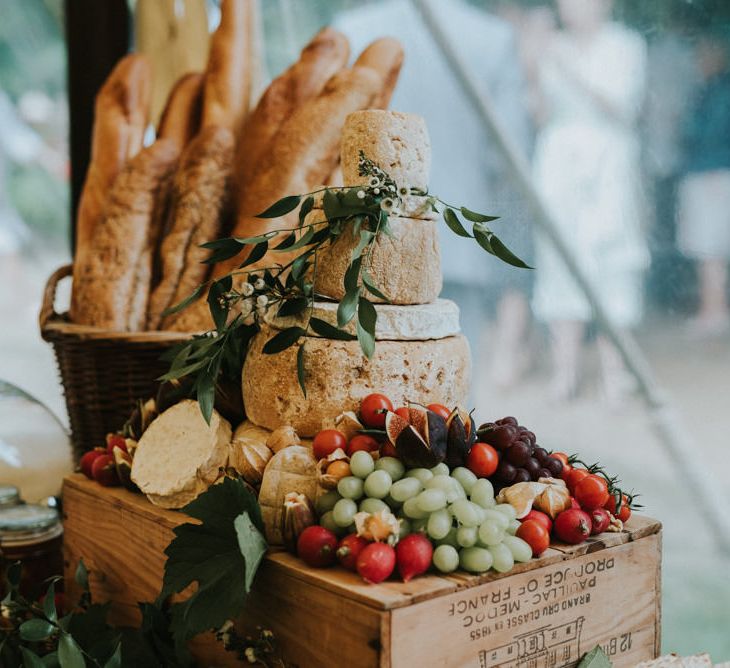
[405, 266]
[179, 455]
[338, 376]
[418, 322]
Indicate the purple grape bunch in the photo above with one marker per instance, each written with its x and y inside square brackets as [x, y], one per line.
[520, 458]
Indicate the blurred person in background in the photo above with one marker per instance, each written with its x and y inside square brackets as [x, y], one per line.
[704, 194]
[591, 86]
[464, 168]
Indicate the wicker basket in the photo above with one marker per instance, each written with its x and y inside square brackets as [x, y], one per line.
[103, 373]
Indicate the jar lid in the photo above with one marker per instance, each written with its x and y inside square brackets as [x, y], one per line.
[9, 495]
[26, 518]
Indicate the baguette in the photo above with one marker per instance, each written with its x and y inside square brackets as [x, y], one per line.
[385, 56]
[121, 110]
[324, 56]
[200, 197]
[180, 118]
[228, 76]
[303, 153]
[108, 284]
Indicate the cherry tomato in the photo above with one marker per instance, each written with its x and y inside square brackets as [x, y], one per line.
[562, 457]
[574, 477]
[362, 442]
[373, 409]
[542, 518]
[388, 450]
[534, 533]
[440, 409]
[404, 413]
[327, 441]
[591, 492]
[482, 460]
[624, 512]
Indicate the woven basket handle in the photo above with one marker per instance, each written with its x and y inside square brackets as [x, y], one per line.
[49, 295]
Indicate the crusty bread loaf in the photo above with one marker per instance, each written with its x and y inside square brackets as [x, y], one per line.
[325, 55]
[180, 118]
[418, 322]
[405, 266]
[385, 56]
[105, 283]
[179, 455]
[121, 111]
[200, 197]
[399, 144]
[338, 376]
[227, 88]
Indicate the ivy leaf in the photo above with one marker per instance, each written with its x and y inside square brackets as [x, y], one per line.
[283, 340]
[307, 206]
[282, 207]
[30, 659]
[366, 319]
[218, 310]
[475, 217]
[452, 220]
[36, 630]
[347, 308]
[292, 306]
[257, 252]
[367, 281]
[328, 331]
[187, 301]
[69, 653]
[221, 554]
[505, 254]
[301, 373]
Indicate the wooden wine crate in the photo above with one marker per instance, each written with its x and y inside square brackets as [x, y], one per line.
[543, 614]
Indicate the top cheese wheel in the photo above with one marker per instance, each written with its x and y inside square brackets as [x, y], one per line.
[398, 143]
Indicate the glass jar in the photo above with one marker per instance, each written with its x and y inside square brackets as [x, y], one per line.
[33, 535]
[9, 496]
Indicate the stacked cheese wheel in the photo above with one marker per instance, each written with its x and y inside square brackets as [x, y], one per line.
[418, 344]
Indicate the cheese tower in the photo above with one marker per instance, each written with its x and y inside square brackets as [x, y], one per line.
[420, 355]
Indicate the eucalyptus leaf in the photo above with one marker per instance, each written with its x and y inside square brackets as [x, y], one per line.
[282, 207]
[304, 240]
[257, 252]
[483, 239]
[252, 545]
[301, 373]
[292, 306]
[30, 659]
[115, 660]
[183, 371]
[13, 574]
[366, 320]
[455, 225]
[69, 653]
[328, 331]
[348, 306]
[49, 603]
[299, 267]
[475, 217]
[36, 630]
[352, 274]
[288, 241]
[205, 392]
[283, 340]
[224, 253]
[366, 236]
[307, 206]
[186, 302]
[505, 254]
[217, 304]
[247, 241]
[370, 286]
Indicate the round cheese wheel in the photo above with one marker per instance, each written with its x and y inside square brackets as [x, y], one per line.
[338, 376]
[405, 266]
[436, 320]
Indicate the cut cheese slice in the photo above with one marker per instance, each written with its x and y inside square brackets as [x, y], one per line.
[179, 455]
[436, 320]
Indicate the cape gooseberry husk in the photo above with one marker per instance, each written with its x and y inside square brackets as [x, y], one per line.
[461, 436]
[418, 445]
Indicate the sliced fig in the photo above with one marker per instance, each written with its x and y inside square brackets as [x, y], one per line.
[425, 449]
[418, 417]
[123, 464]
[457, 447]
[437, 435]
[394, 425]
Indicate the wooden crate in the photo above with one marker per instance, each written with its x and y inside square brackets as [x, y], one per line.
[545, 613]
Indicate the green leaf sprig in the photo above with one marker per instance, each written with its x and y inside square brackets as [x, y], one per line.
[289, 288]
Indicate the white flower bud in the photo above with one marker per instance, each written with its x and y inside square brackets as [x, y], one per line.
[262, 300]
[374, 182]
[361, 194]
[259, 284]
[247, 289]
[387, 204]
